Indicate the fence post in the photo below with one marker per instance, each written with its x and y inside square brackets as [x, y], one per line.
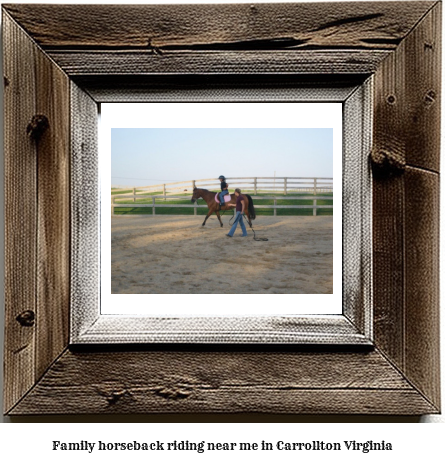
[165, 198]
[274, 207]
[315, 186]
[285, 186]
[195, 209]
[193, 184]
[314, 212]
[154, 208]
[254, 185]
[113, 204]
[134, 194]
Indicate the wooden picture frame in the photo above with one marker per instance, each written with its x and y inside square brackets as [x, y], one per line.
[76, 56]
[91, 321]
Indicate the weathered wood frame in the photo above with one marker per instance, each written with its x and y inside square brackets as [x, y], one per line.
[90, 323]
[76, 56]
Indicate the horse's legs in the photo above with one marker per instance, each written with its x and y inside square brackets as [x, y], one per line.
[208, 214]
[219, 218]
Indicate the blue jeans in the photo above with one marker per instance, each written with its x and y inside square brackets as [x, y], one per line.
[238, 219]
[221, 196]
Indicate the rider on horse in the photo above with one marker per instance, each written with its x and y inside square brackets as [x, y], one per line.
[224, 191]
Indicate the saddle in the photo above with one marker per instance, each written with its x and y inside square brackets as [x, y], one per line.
[227, 198]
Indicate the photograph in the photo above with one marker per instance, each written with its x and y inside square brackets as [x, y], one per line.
[173, 213]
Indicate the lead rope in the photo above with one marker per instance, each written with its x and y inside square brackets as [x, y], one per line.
[231, 224]
[254, 237]
[260, 239]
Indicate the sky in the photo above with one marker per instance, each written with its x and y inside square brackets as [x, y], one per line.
[145, 156]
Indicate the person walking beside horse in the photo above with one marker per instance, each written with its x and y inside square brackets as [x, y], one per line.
[239, 208]
[212, 201]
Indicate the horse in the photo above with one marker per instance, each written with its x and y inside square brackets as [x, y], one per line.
[209, 199]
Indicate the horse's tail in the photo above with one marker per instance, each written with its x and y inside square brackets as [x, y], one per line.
[251, 208]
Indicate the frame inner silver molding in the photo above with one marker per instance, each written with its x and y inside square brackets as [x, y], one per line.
[353, 327]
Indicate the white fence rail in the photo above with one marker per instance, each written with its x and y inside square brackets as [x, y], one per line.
[282, 185]
[195, 206]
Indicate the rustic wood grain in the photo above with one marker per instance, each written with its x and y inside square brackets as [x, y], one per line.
[249, 400]
[20, 212]
[215, 87]
[249, 382]
[406, 131]
[357, 209]
[89, 327]
[389, 142]
[388, 268]
[85, 210]
[53, 239]
[78, 63]
[422, 323]
[408, 96]
[153, 27]
[423, 91]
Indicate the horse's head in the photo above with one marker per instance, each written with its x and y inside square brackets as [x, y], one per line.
[196, 194]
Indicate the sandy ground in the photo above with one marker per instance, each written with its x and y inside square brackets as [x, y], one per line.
[175, 255]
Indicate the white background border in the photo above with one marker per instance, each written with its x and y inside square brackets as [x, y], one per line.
[218, 115]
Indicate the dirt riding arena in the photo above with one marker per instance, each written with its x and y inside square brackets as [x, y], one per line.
[175, 255]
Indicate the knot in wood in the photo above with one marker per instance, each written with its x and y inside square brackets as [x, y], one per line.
[26, 318]
[114, 397]
[172, 393]
[387, 163]
[430, 97]
[37, 126]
